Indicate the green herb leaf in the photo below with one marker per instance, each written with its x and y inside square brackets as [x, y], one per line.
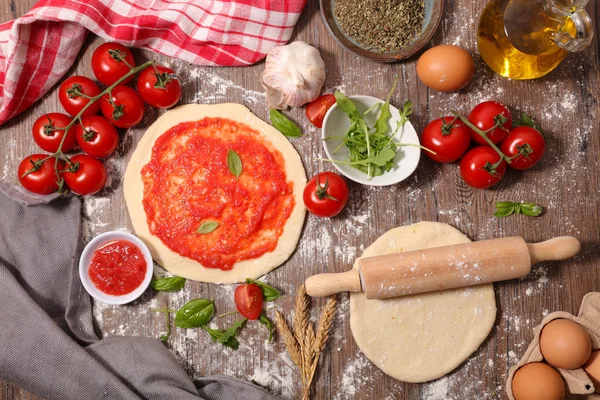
[207, 227]
[269, 292]
[506, 208]
[530, 209]
[526, 120]
[384, 113]
[283, 124]
[229, 333]
[346, 105]
[234, 162]
[170, 284]
[195, 313]
[268, 324]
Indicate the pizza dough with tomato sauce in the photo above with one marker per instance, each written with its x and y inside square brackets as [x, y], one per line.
[198, 219]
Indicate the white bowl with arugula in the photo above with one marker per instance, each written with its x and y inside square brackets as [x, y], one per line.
[389, 153]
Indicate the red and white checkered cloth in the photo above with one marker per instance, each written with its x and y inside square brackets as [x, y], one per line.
[37, 49]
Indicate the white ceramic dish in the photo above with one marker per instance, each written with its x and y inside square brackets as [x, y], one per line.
[336, 123]
[86, 258]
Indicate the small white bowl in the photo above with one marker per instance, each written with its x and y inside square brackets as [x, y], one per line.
[336, 123]
[86, 259]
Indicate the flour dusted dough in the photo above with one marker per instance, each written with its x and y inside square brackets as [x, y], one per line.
[191, 269]
[421, 337]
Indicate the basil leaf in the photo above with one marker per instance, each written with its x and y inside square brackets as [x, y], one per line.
[283, 124]
[530, 209]
[506, 208]
[234, 162]
[232, 331]
[207, 227]
[268, 324]
[171, 284]
[269, 292]
[195, 313]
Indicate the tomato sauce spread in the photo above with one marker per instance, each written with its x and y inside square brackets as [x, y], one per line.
[188, 182]
[118, 268]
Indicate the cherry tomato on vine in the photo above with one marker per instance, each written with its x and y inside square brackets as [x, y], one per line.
[71, 98]
[449, 140]
[161, 90]
[316, 109]
[87, 176]
[476, 167]
[485, 115]
[249, 300]
[111, 61]
[326, 194]
[47, 138]
[526, 142]
[127, 108]
[43, 178]
[100, 138]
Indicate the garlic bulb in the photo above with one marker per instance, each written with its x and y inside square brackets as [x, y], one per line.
[293, 75]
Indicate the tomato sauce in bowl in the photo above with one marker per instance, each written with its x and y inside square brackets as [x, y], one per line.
[118, 267]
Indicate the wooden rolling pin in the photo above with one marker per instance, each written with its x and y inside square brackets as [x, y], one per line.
[441, 268]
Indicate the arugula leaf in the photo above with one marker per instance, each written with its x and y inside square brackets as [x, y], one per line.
[207, 227]
[170, 284]
[506, 208]
[268, 324]
[283, 124]
[347, 106]
[226, 338]
[234, 162]
[229, 333]
[195, 313]
[384, 113]
[269, 292]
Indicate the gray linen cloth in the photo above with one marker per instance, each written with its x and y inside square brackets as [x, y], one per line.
[47, 341]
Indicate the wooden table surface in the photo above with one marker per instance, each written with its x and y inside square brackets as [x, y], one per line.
[566, 183]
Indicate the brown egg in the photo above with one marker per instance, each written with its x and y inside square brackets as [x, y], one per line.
[565, 344]
[537, 381]
[592, 368]
[445, 68]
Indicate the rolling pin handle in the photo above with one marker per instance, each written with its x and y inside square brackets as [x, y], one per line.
[559, 248]
[323, 285]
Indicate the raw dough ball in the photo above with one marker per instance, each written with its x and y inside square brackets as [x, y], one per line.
[422, 337]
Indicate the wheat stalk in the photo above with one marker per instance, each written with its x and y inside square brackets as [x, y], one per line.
[289, 340]
[304, 344]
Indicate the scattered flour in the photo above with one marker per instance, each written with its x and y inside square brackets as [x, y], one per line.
[355, 376]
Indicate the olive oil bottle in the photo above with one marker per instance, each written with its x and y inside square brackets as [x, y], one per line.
[526, 39]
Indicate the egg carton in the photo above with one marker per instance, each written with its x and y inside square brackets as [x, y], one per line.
[578, 384]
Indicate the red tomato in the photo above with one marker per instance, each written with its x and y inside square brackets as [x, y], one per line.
[127, 108]
[449, 140]
[249, 300]
[43, 179]
[73, 102]
[484, 117]
[326, 194]
[88, 176]
[111, 61]
[476, 167]
[527, 144]
[45, 135]
[316, 109]
[100, 138]
[161, 90]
